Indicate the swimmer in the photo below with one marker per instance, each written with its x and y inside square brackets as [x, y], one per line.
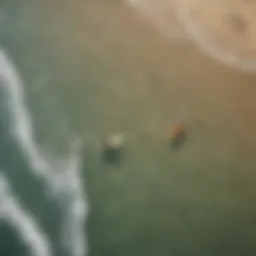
[112, 147]
[177, 134]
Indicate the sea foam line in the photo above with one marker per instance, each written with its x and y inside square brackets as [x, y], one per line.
[23, 222]
[65, 182]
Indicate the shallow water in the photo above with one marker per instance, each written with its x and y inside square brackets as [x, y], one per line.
[92, 68]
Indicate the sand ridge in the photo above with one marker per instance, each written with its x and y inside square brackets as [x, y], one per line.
[225, 30]
[163, 14]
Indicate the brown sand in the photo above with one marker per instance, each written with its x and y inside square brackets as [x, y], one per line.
[224, 29]
[163, 14]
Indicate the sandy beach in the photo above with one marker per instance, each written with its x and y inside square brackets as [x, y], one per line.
[222, 29]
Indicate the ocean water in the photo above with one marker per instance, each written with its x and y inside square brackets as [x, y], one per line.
[73, 72]
[42, 198]
[54, 184]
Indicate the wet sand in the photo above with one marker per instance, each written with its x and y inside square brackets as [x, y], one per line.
[222, 29]
[112, 71]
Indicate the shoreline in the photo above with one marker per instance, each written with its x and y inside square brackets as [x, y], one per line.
[184, 28]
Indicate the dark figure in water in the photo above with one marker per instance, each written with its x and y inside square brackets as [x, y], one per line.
[177, 135]
[112, 149]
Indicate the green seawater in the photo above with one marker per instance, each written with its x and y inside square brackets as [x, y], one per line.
[92, 68]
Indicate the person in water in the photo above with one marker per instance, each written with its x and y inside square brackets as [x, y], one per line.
[112, 148]
[177, 134]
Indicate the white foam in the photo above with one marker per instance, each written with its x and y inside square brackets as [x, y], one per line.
[208, 46]
[63, 180]
[77, 209]
[23, 222]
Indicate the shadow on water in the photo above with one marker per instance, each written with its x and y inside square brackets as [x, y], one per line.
[179, 141]
[112, 156]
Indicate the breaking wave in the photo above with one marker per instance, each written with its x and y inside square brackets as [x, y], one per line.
[63, 181]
